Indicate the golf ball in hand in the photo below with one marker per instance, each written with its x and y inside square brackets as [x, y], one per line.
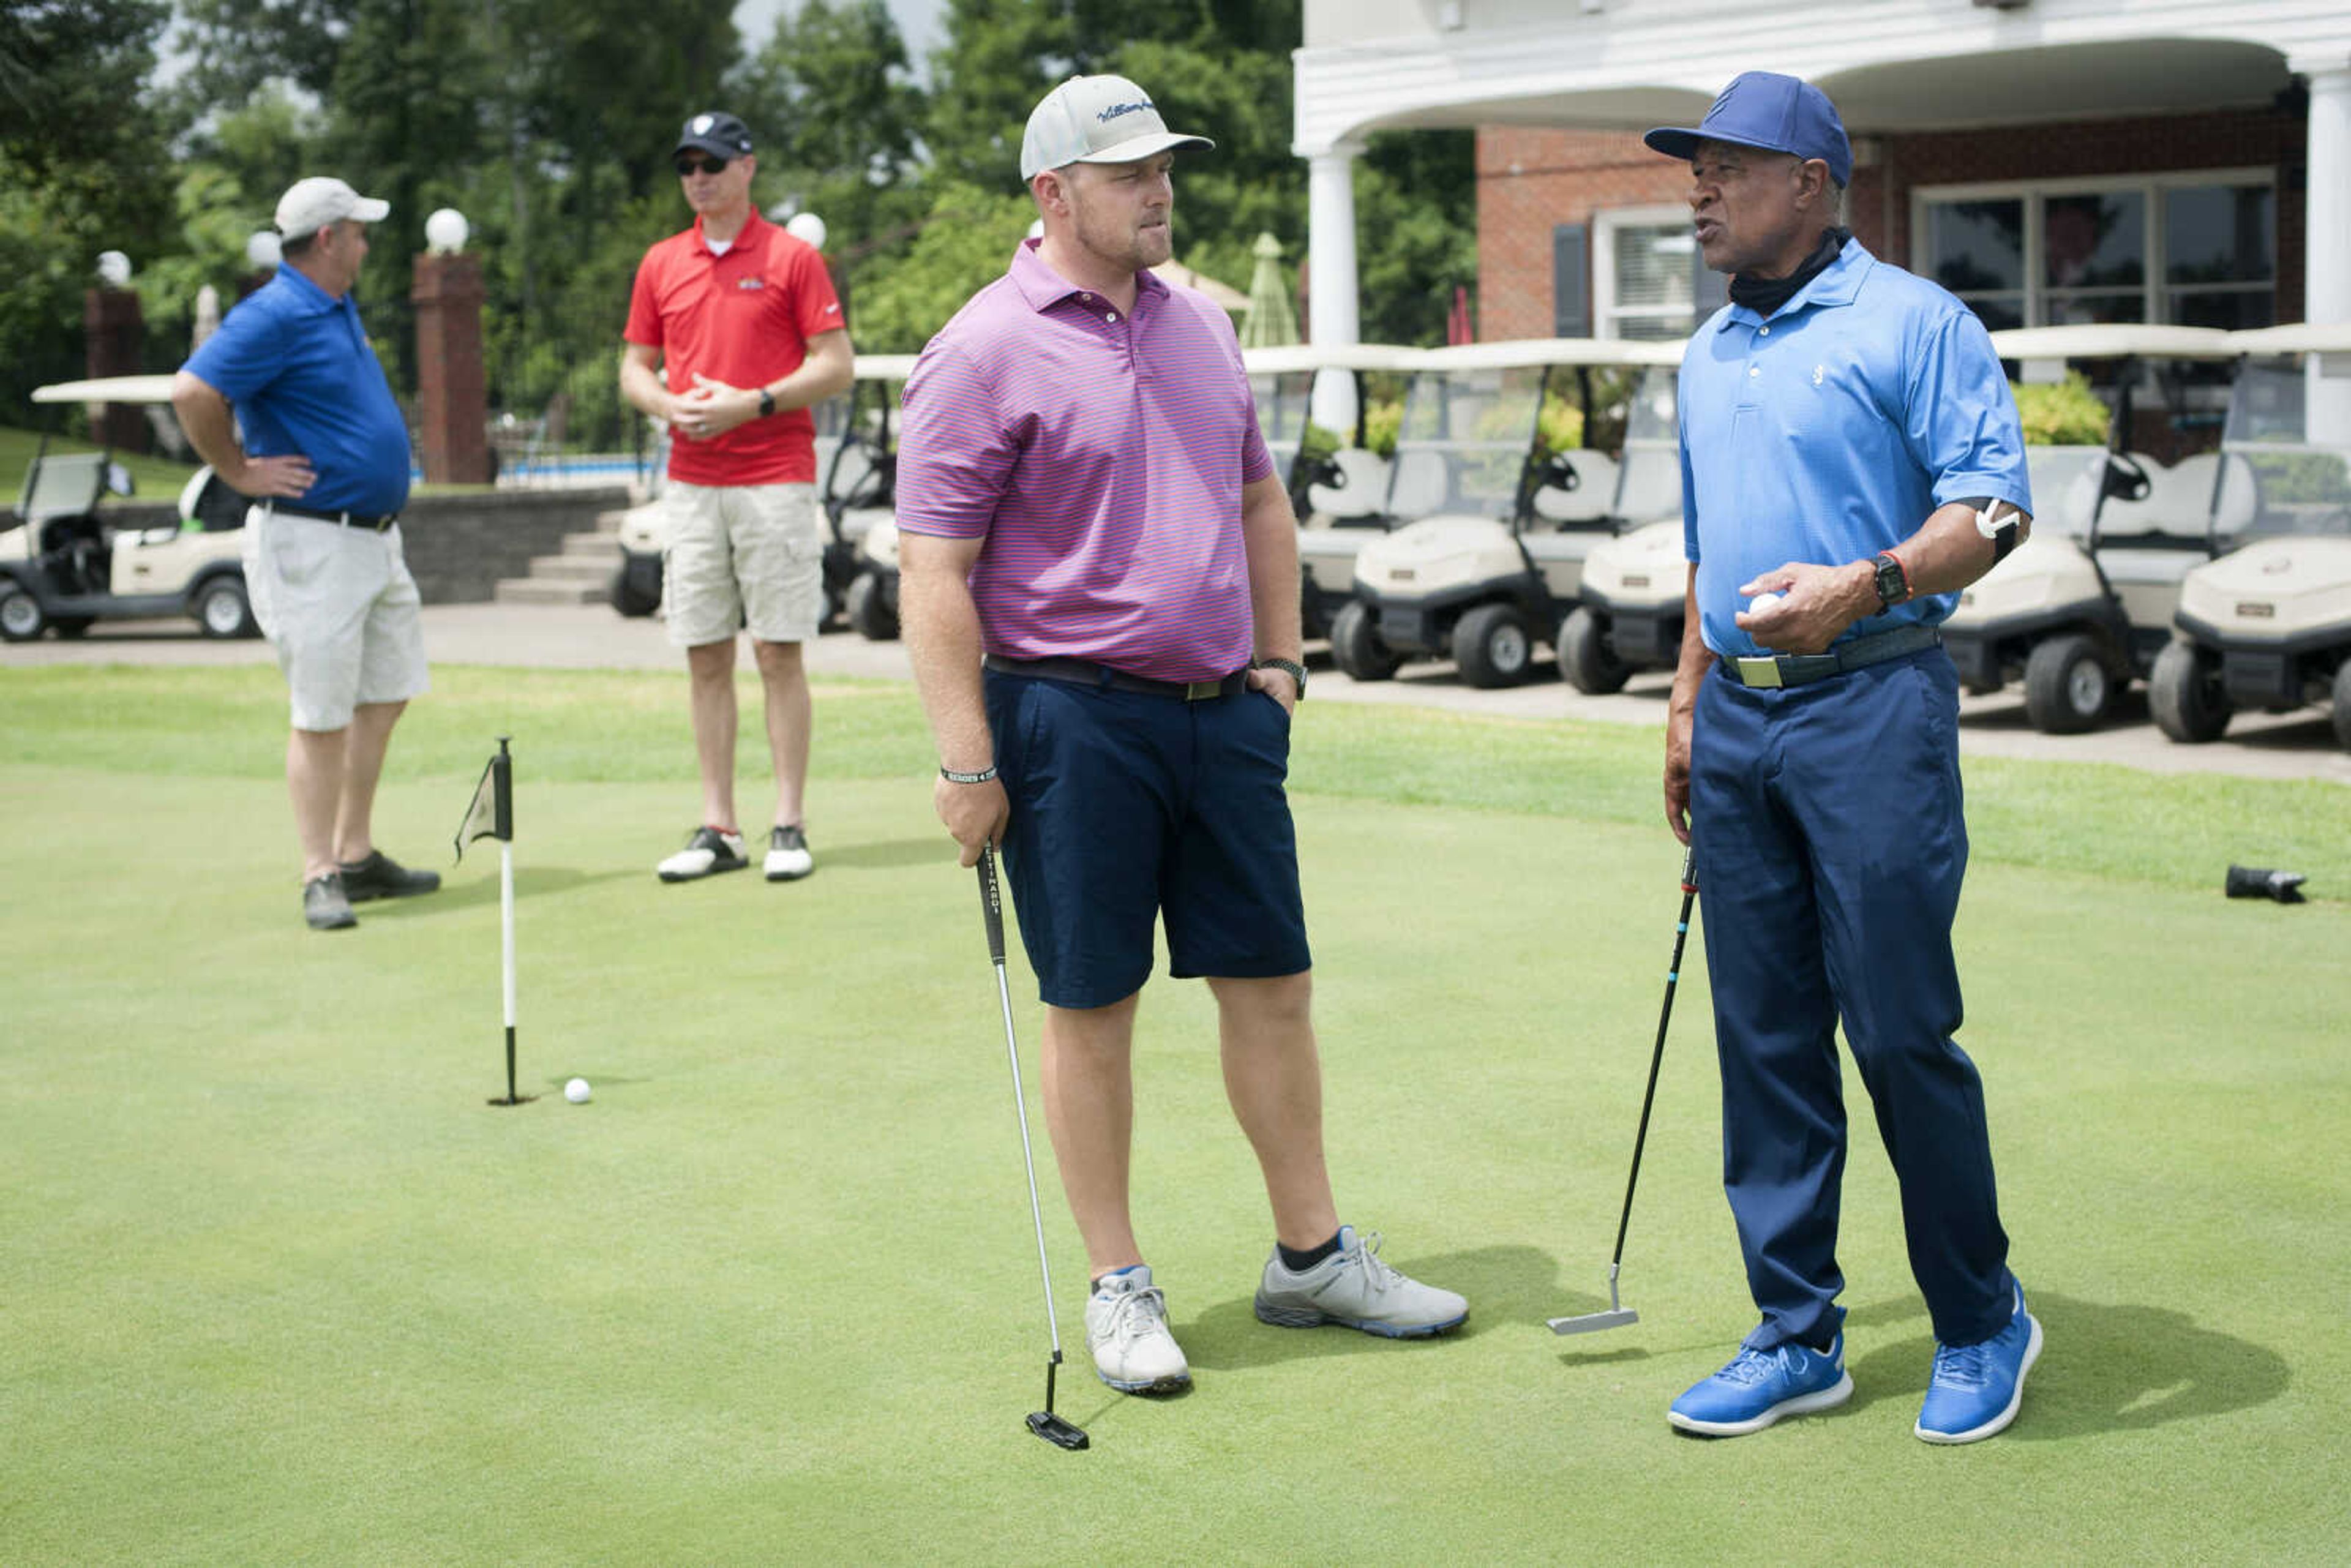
[1763, 602]
[578, 1091]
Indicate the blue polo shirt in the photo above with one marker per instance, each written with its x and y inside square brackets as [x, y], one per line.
[1831, 430]
[297, 368]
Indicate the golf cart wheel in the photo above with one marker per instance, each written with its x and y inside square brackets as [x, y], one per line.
[1493, 646]
[1357, 646]
[2190, 705]
[2342, 704]
[224, 610]
[2067, 686]
[1585, 657]
[22, 618]
[869, 615]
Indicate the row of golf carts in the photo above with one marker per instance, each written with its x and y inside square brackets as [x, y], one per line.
[2222, 579]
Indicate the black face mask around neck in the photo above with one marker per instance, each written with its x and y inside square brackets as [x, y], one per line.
[1765, 295]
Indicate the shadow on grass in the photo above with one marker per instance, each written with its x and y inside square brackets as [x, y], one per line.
[1504, 1284]
[2104, 1368]
[891, 853]
[530, 881]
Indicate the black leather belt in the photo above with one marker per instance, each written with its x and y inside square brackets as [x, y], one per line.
[1086, 672]
[1803, 669]
[376, 524]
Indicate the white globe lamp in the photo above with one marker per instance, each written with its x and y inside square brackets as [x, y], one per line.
[446, 232]
[114, 269]
[264, 250]
[807, 228]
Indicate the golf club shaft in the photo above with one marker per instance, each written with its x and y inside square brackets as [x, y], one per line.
[1657, 1054]
[992, 907]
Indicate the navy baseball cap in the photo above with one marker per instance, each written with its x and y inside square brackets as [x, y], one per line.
[716, 131]
[1779, 114]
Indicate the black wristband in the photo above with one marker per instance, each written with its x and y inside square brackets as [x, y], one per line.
[982, 777]
[766, 403]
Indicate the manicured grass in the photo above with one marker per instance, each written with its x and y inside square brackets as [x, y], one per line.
[281, 1287]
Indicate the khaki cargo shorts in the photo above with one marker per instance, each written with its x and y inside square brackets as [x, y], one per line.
[341, 609]
[737, 555]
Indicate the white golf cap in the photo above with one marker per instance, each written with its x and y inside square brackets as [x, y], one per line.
[309, 205]
[1096, 119]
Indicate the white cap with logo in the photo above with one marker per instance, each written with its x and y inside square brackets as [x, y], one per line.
[309, 205]
[1096, 119]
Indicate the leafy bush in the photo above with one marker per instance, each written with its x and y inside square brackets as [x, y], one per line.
[2060, 413]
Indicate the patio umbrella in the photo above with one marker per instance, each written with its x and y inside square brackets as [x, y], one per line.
[1224, 295]
[1271, 321]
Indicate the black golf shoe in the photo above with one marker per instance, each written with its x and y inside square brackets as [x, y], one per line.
[325, 905]
[380, 876]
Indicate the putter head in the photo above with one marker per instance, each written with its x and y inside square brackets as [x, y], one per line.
[1056, 1431]
[1593, 1322]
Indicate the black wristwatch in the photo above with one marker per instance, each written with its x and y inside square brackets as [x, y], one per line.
[766, 403]
[1893, 582]
[1297, 672]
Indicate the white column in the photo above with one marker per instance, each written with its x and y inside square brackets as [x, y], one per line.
[1332, 290]
[2326, 245]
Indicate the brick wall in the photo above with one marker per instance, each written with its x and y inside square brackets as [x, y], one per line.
[1532, 180]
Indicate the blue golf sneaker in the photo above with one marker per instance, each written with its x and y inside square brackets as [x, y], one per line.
[1760, 1387]
[1976, 1388]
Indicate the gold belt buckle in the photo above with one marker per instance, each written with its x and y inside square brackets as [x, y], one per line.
[1201, 691]
[1757, 670]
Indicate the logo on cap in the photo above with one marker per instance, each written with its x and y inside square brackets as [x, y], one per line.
[1116, 109]
[702, 124]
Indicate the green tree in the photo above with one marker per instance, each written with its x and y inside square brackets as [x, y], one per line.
[1416, 231]
[967, 238]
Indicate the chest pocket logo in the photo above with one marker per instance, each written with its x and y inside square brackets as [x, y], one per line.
[1819, 373]
[750, 282]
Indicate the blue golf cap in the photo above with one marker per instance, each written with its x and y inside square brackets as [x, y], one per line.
[1762, 109]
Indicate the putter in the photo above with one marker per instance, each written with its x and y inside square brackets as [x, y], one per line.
[1062, 1434]
[1618, 1314]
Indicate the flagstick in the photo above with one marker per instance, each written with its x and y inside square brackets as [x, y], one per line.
[506, 920]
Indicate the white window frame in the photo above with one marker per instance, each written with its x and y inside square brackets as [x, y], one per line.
[2154, 290]
[1605, 226]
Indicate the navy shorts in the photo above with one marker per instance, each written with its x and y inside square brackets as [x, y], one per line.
[1129, 807]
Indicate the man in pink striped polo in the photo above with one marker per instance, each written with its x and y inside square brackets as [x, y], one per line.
[1100, 594]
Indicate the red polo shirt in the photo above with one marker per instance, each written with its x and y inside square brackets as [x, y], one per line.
[743, 319]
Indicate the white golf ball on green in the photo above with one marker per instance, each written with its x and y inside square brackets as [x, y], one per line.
[578, 1091]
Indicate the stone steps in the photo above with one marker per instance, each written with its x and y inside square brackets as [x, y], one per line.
[580, 575]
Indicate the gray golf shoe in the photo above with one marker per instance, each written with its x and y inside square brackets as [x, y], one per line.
[1126, 1330]
[1357, 1289]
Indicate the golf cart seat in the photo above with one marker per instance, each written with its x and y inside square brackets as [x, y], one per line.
[2176, 503]
[1418, 485]
[1361, 492]
[1594, 492]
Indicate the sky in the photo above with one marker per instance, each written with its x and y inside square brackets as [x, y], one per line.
[922, 23]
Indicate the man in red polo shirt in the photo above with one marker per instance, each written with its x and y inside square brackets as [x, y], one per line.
[733, 332]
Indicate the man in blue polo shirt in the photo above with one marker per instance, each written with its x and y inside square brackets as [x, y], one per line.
[1851, 458]
[324, 458]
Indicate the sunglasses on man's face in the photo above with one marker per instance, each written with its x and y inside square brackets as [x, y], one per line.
[690, 166]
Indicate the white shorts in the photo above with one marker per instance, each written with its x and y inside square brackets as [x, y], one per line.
[737, 555]
[341, 609]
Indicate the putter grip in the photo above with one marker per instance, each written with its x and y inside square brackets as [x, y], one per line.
[991, 903]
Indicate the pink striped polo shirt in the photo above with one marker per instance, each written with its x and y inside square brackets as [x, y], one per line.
[1102, 458]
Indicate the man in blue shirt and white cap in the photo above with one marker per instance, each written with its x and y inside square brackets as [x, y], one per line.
[1851, 459]
[324, 458]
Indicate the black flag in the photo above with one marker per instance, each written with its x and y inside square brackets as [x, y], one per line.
[491, 814]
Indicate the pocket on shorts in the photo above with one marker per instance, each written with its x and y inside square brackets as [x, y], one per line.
[297, 551]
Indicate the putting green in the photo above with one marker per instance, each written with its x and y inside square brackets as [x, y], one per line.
[281, 1286]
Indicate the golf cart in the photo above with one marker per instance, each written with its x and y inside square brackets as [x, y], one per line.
[1338, 493]
[855, 463]
[2085, 602]
[1503, 515]
[67, 565]
[2268, 625]
[1629, 611]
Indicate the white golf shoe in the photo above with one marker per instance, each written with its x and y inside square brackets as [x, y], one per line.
[1126, 1329]
[1356, 1288]
[708, 851]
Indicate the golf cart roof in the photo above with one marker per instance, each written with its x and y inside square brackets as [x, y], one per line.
[2114, 341]
[108, 389]
[885, 367]
[1518, 353]
[2301, 338]
[1294, 357]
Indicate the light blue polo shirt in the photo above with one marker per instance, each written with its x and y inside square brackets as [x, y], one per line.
[1831, 430]
[299, 370]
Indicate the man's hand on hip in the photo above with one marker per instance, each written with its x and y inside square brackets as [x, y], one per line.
[975, 814]
[287, 477]
[1279, 684]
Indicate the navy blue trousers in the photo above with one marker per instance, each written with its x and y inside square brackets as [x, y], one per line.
[1830, 847]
